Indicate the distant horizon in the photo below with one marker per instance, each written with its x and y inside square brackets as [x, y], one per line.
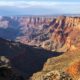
[42, 15]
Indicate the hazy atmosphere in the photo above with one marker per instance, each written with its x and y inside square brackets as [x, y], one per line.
[39, 39]
[39, 7]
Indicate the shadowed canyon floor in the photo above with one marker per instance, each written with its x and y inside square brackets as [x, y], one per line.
[26, 59]
[41, 47]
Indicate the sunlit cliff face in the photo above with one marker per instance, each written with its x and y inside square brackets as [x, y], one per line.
[52, 33]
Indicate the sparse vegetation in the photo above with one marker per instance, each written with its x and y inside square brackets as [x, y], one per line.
[56, 75]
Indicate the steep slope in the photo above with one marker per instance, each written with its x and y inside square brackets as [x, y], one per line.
[65, 30]
[74, 69]
[32, 60]
[67, 63]
[46, 38]
[25, 59]
[51, 33]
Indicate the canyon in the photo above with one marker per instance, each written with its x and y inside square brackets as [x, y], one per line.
[51, 33]
[37, 46]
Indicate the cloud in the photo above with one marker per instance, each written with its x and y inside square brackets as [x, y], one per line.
[62, 7]
[42, 4]
[25, 4]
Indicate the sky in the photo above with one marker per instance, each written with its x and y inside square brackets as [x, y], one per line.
[39, 7]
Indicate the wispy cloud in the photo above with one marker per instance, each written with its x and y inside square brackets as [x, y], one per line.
[25, 4]
[43, 6]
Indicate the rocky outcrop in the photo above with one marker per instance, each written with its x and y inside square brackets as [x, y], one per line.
[9, 74]
[65, 30]
[49, 37]
[4, 62]
[57, 35]
[51, 33]
[23, 58]
[56, 75]
[74, 70]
